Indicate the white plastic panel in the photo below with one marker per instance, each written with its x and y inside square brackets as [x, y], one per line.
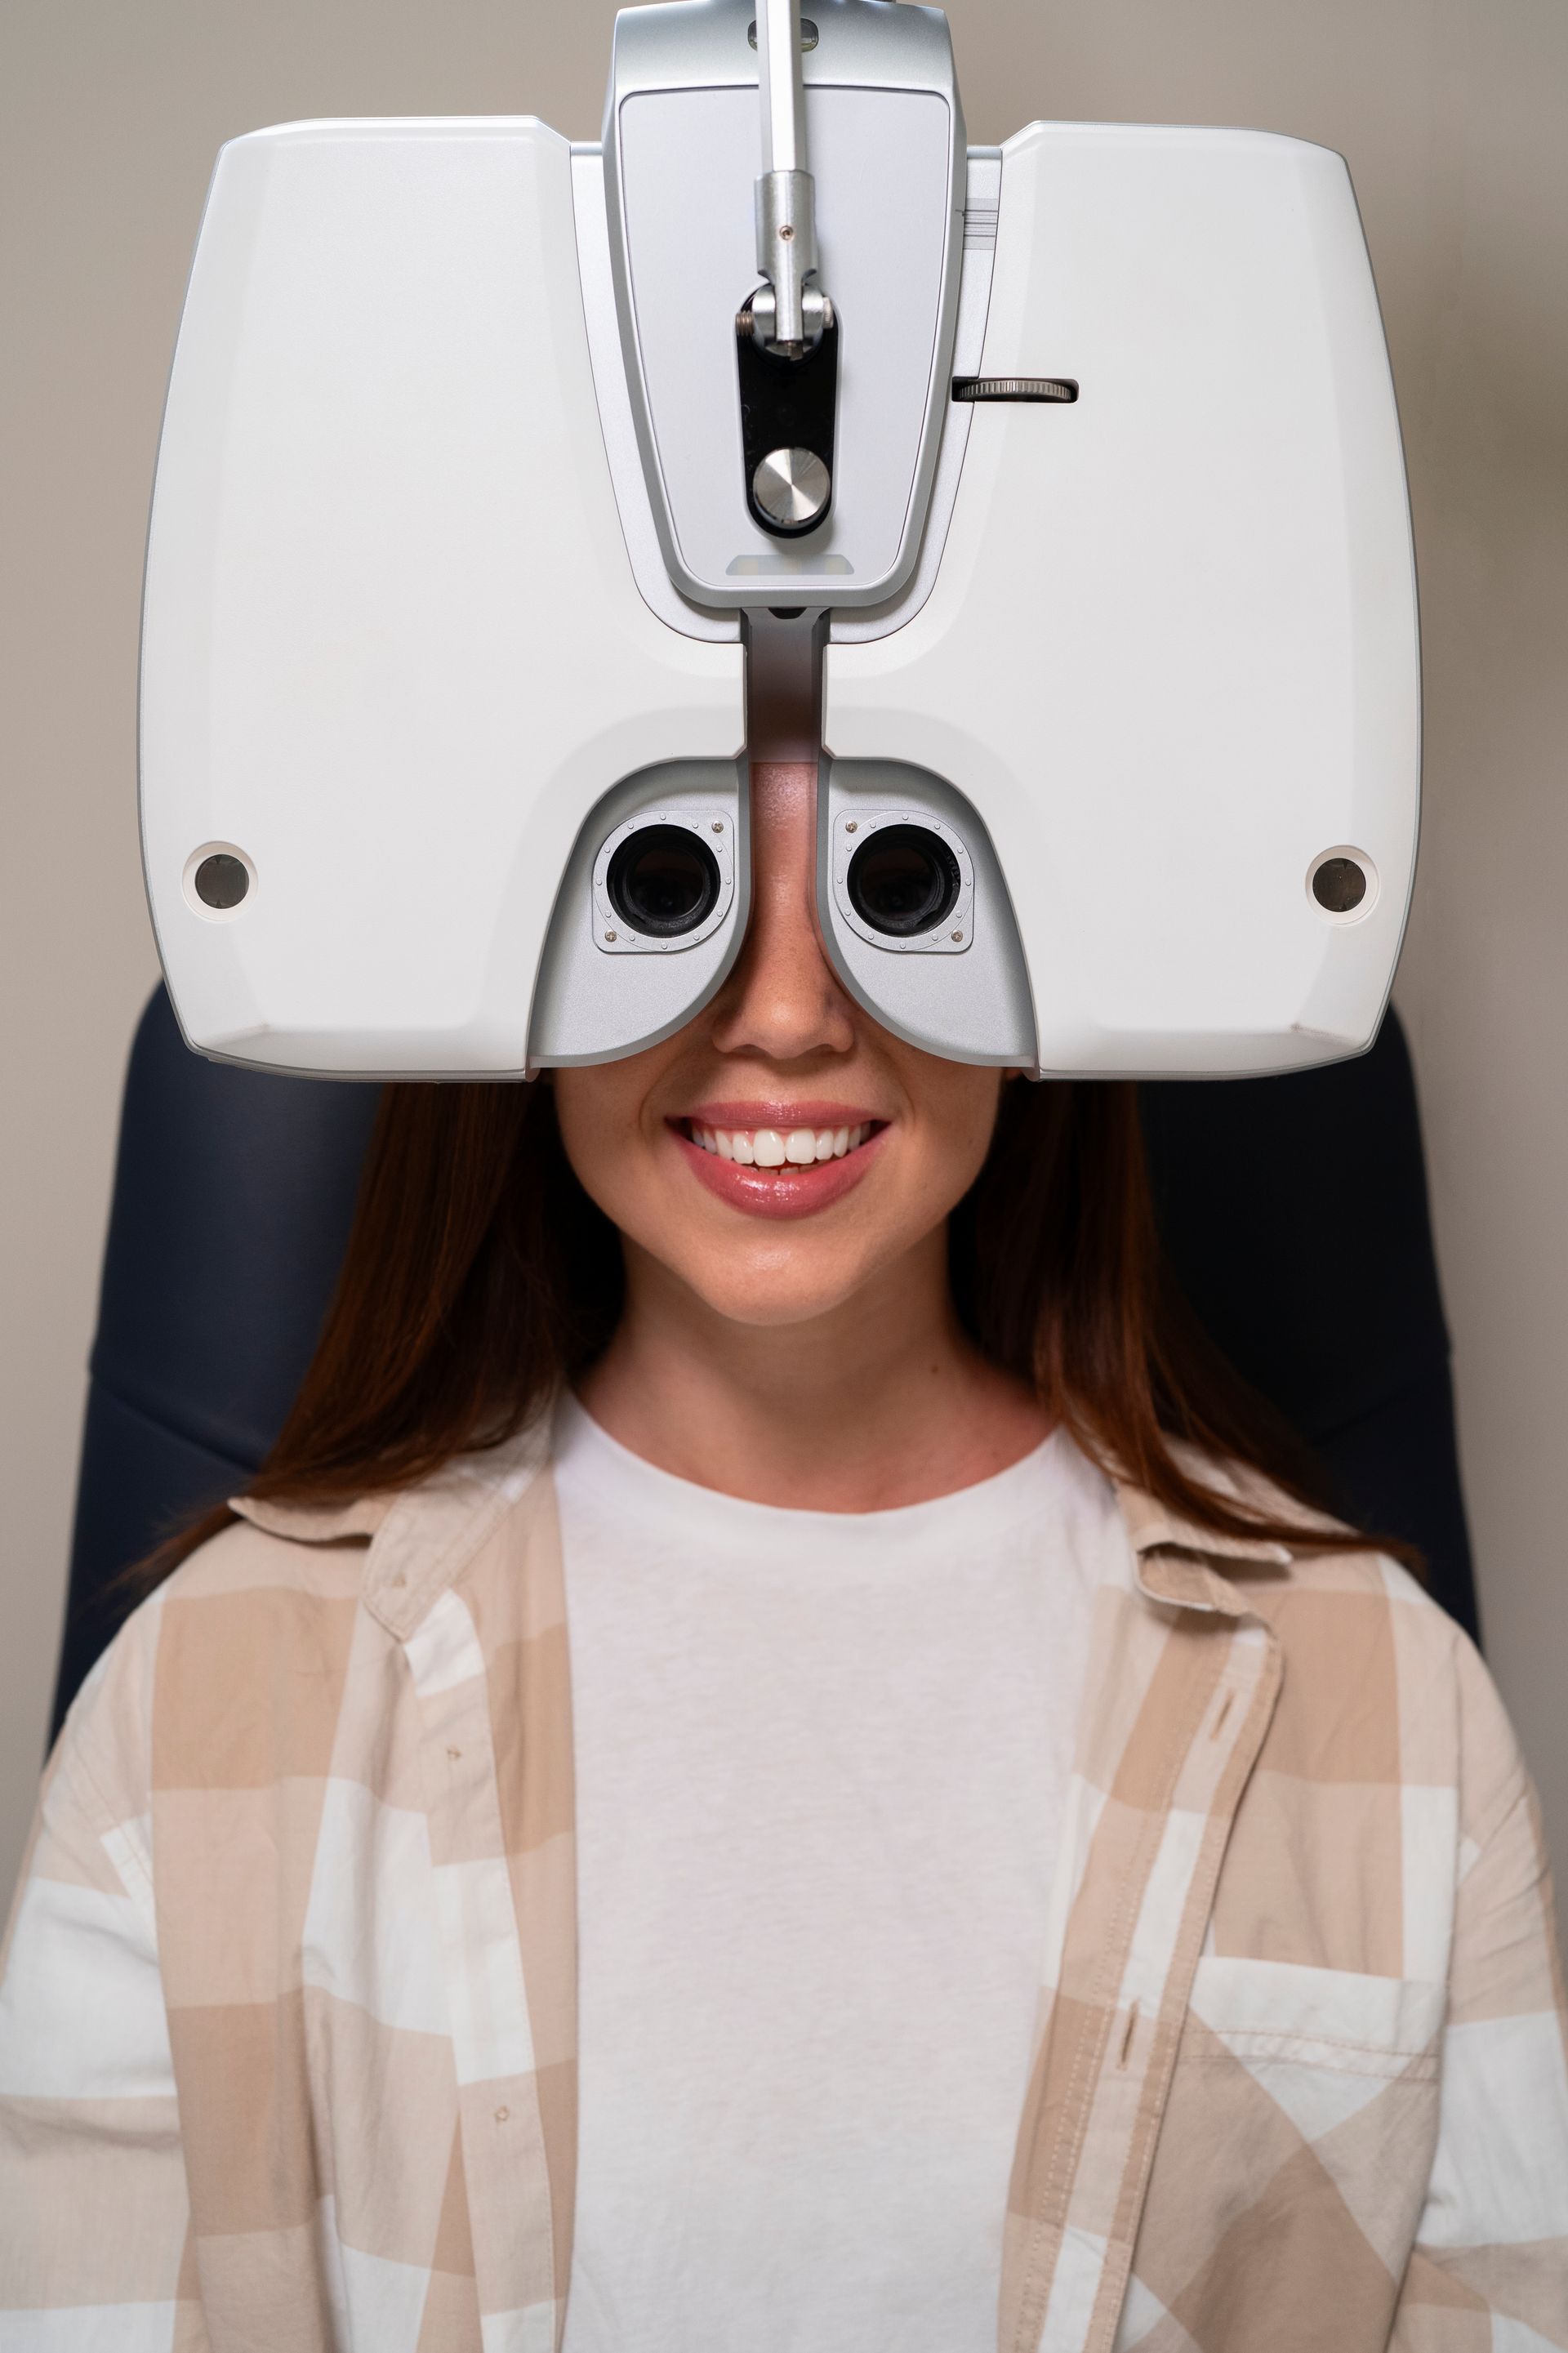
[392, 650]
[1170, 653]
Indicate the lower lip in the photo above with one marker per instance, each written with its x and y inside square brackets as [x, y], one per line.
[786, 1192]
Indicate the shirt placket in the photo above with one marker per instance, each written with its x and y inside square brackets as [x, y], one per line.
[500, 2120]
[1150, 1833]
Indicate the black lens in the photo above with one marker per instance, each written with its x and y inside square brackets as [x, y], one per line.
[904, 880]
[663, 880]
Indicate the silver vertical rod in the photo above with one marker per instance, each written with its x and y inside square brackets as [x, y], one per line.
[786, 213]
[778, 61]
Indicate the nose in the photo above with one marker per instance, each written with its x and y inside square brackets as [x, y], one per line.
[782, 999]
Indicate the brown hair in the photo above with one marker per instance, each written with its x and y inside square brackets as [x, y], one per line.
[479, 1276]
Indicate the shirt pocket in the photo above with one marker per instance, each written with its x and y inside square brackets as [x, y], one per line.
[1316, 2086]
[1284, 2015]
[1292, 2160]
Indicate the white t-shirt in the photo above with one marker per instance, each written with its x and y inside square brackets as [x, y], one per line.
[821, 1764]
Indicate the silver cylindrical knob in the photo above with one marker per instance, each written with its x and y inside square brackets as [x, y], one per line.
[791, 486]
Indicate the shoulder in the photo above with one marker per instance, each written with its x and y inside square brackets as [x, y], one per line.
[1378, 1682]
[1337, 1602]
[1389, 1823]
[1380, 1685]
[1343, 1573]
[1350, 1598]
[233, 1671]
[200, 1656]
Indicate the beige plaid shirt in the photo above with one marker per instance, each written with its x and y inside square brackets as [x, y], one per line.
[287, 2031]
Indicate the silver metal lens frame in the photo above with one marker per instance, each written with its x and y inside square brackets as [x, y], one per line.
[851, 833]
[612, 934]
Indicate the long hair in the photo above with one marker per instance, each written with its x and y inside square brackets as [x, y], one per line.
[479, 1276]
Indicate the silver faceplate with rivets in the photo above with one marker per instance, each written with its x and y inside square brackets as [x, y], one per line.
[681, 152]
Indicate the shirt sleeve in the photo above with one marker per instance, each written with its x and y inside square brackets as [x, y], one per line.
[94, 2214]
[1491, 2263]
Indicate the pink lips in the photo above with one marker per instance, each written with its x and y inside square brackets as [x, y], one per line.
[791, 1191]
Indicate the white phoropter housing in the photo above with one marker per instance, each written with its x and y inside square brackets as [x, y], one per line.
[514, 496]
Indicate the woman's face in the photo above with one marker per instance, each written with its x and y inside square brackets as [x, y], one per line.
[782, 1150]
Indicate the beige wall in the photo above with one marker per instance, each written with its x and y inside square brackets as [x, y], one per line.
[1452, 115]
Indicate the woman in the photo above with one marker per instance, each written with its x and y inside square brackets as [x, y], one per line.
[998, 1867]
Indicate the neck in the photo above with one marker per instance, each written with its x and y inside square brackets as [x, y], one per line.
[880, 1401]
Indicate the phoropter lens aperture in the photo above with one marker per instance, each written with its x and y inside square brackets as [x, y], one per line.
[904, 880]
[663, 881]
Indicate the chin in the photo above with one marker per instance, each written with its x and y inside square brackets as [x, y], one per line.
[775, 1296]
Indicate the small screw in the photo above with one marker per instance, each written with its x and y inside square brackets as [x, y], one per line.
[719, 825]
[958, 936]
[786, 231]
[609, 935]
[852, 827]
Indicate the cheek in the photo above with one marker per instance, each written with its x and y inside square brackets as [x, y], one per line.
[957, 1120]
[598, 1111]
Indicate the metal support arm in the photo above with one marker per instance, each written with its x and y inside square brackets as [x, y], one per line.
[785, 199]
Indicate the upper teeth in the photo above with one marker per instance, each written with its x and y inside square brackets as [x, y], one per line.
[770, 1148]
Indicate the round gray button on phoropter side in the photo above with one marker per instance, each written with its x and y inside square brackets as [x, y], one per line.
[221, 881]
[1339, 885]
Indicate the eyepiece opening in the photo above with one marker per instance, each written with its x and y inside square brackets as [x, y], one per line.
[663, 881]
[904, 880]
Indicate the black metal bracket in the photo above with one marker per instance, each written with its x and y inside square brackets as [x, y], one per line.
[786, 404]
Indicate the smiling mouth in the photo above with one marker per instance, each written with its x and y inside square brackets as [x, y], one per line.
[780, 1147]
